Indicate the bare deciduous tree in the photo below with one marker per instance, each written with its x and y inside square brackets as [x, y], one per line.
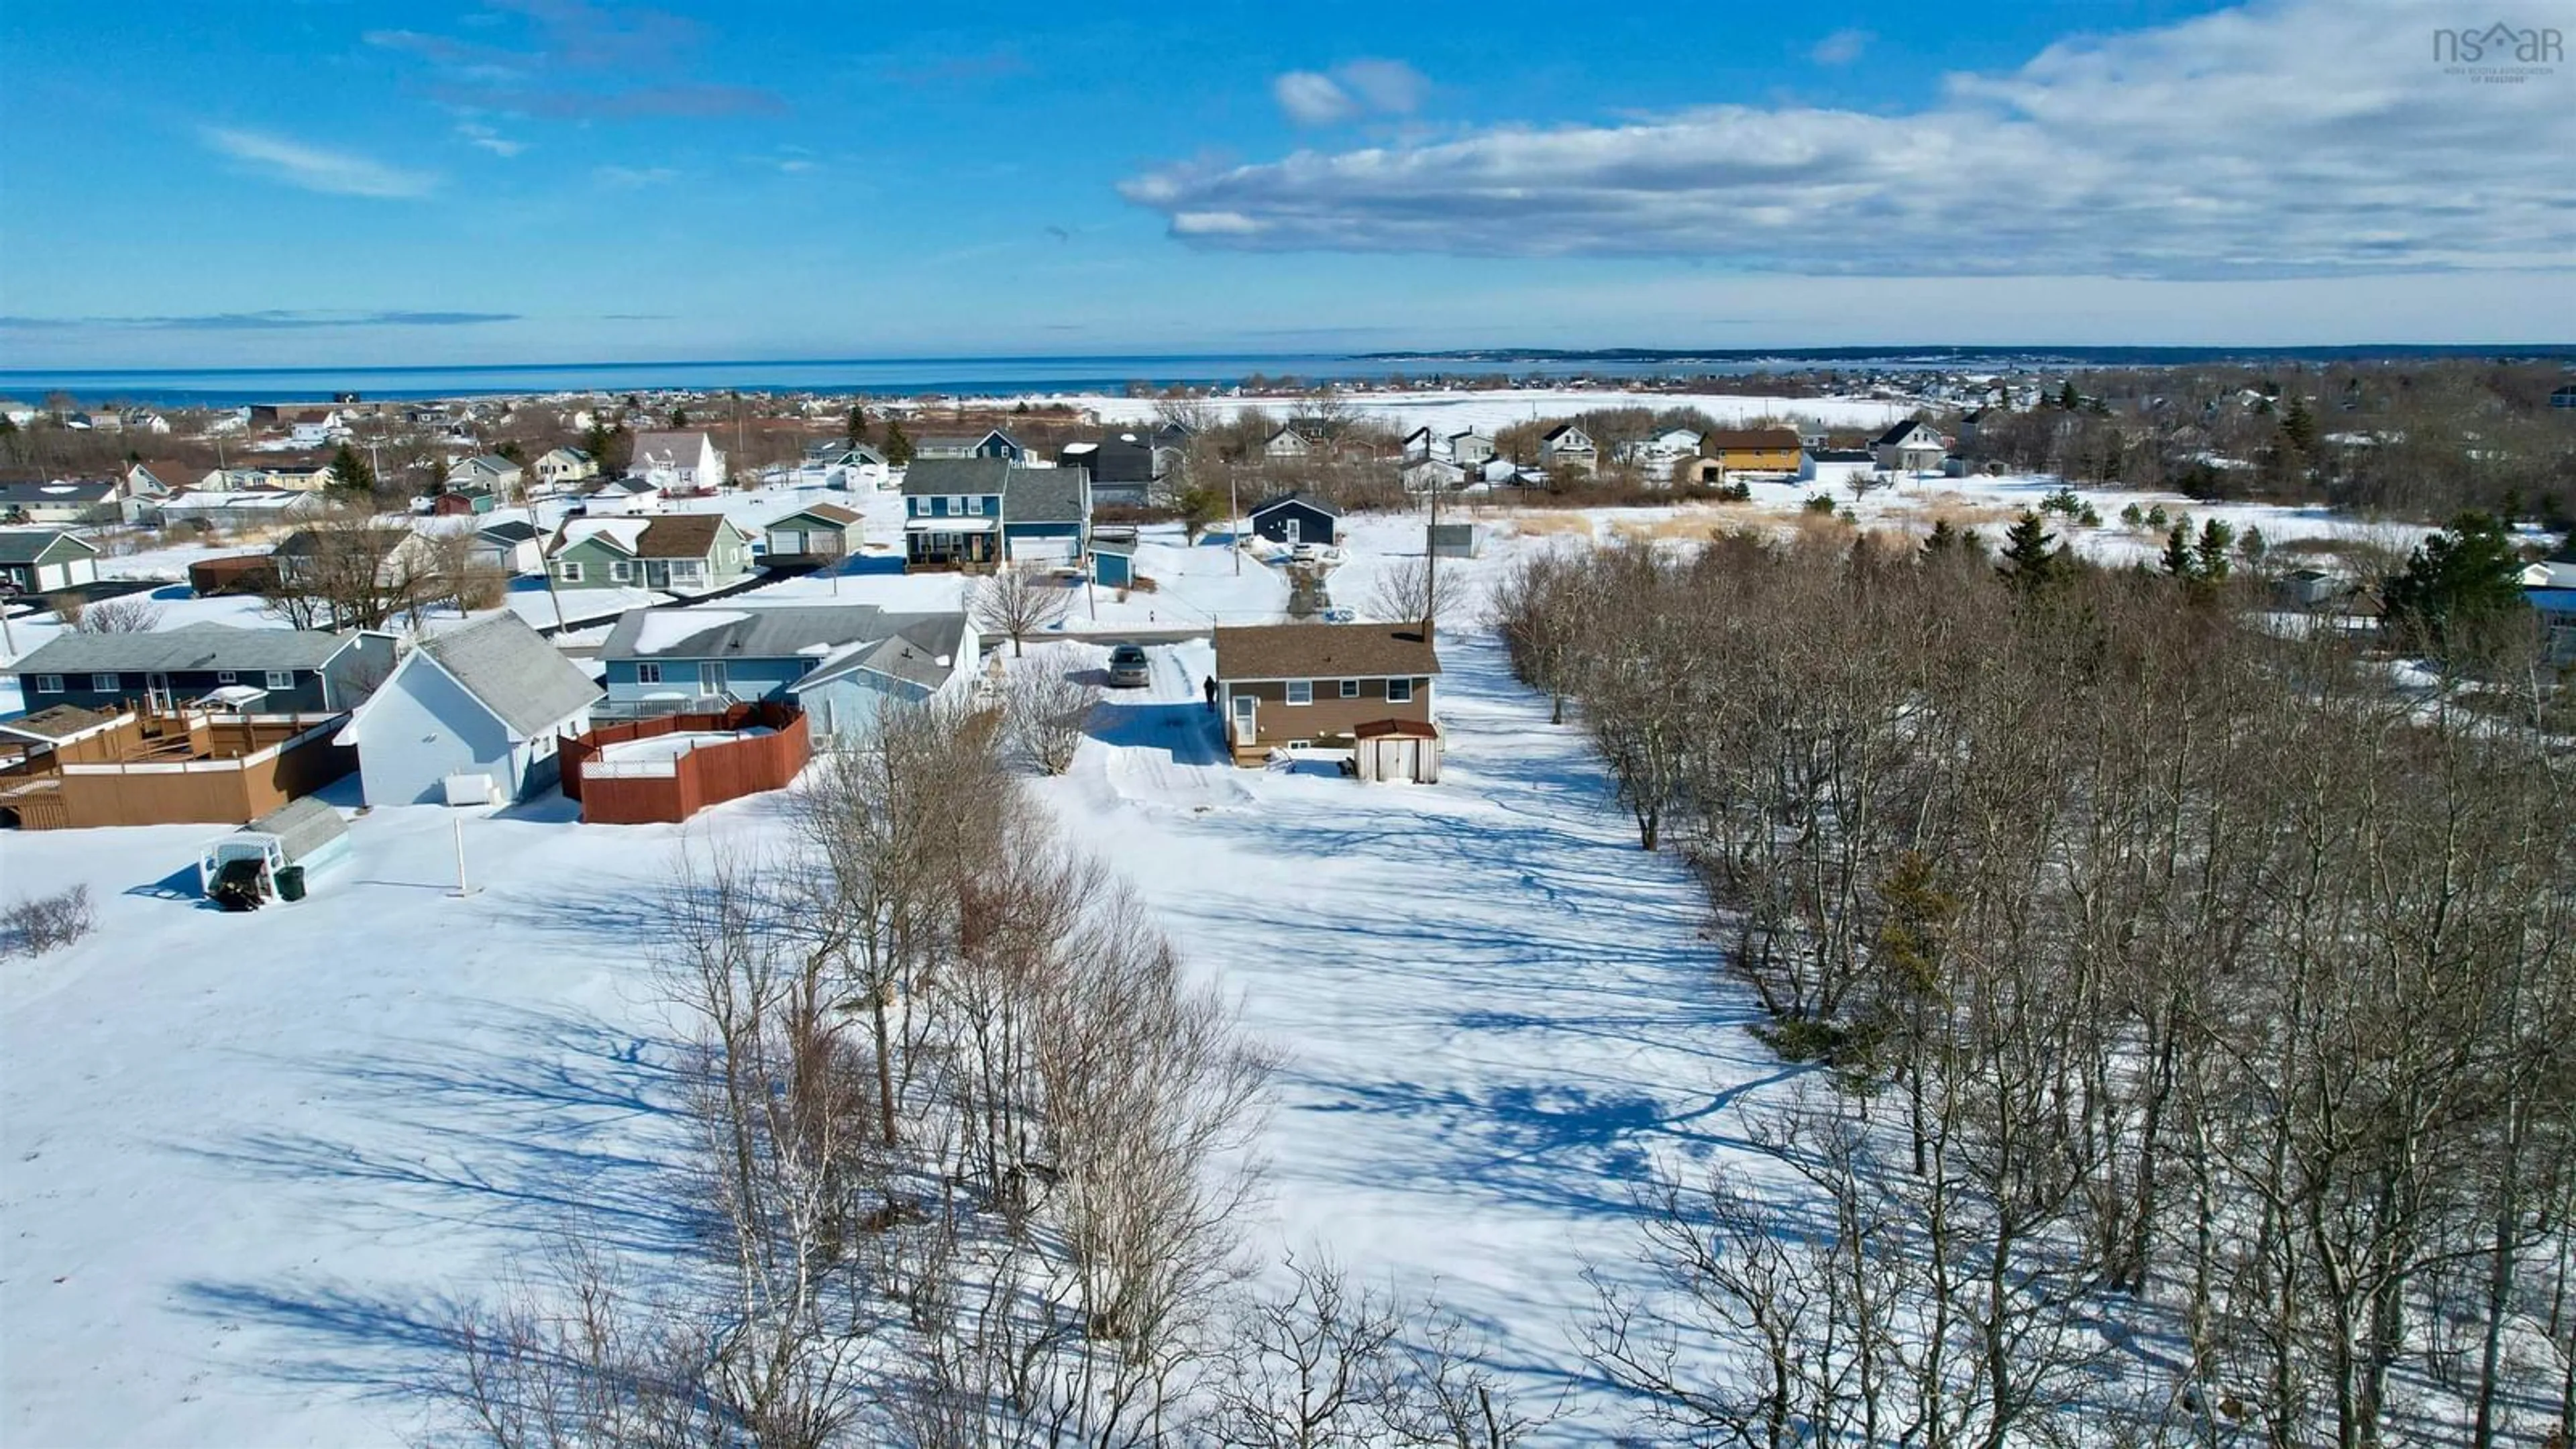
[1019, 602]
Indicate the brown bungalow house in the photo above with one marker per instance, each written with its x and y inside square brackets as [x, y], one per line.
[1282, 685]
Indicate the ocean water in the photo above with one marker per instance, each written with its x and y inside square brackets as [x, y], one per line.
[232, 387]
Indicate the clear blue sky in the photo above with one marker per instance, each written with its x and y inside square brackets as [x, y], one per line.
[557, 180]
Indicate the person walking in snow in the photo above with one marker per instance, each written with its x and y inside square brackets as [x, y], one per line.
[1210, 687]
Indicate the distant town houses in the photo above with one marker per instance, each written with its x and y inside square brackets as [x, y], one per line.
[843, 465]
[691, 553]
[677, 462]
[621, 496]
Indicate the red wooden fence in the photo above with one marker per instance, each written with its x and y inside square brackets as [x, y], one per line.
[708, 775]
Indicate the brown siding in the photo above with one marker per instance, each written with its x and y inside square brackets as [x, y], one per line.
[706, 776]
[1330, 717]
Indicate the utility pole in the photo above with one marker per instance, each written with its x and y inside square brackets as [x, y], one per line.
[1234, 523]
[1431, 566]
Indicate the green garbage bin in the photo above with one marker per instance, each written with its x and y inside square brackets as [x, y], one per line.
[290, 882]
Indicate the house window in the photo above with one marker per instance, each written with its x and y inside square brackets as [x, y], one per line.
[686, 571]
[1399, 691]
[975, 504]
[1350, 689]
[620, 571]
[281, 679]
[103, 683]
[648, 674]
[1301, 691]
[542, 747]
[227, 676]
[49, 684]
[569, 570]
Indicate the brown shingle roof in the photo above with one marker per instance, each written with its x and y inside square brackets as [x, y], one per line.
[828, 512]
[1325, 651]
[679, 535]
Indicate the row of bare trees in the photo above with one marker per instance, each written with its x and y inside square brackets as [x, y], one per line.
[353, 570]
[2195, 1002]
[975, 1158]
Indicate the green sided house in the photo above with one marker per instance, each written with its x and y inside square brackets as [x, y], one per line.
[41, 560]
[688, 553]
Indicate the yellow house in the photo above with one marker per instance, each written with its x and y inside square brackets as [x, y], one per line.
[1753, 450]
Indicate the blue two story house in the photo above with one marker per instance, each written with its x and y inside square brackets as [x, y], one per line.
[659, 661]
[975, 513]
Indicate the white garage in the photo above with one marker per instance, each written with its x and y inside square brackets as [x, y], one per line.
[1046, 552]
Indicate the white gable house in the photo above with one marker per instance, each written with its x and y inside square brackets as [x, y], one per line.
[677, 462]
[470, 717]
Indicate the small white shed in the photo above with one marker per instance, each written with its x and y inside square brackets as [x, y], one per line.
[1397, 749]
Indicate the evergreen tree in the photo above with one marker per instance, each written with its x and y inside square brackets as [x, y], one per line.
[2031, 563]
[2458, 586]
[1942, 539]
[898, 448]
[513, 451]
[594, 440]
[2253, 547]
[2068, 398]
[679, 417]
[2177, 560]
[857, 431]
[2209, 556]
[349, 471]
[2298, 426]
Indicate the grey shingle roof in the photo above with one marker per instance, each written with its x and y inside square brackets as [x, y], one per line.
[27, 545]
[510, 531]
[193, 647]
[526, 682]
[1044, 495]
[1308, 499]
[929, 476]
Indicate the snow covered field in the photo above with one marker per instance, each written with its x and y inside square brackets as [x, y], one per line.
[253, 1158]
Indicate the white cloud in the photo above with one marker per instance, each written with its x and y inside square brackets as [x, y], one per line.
[2290, 138]
[1313, 99]
[1389, 87]
[1842, 47]
[629, 177]
[475, 134]
[314, 168]
[1367, 86]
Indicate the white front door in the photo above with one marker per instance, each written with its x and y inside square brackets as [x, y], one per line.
[711, 676]
[1288, 530]
[1247, 714]
[157, 693]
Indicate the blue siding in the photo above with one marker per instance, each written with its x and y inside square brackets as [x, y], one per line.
[744, 678]
[848, 707]
[306, 697]
[1116, 570]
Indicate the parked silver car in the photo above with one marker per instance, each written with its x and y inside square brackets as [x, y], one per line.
[1127, 667]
